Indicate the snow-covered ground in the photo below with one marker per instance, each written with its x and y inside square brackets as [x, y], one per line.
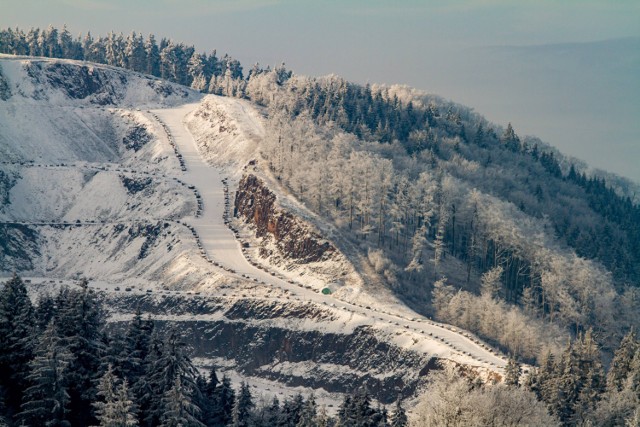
[220, 246]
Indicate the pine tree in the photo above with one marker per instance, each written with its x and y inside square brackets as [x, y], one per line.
[79, 322]
[309, 413]
[172, 363]
[512, 372]
[621, 363]
[178, 407]
[116, 408]
[17, 330]
[46, 401]
[243, 406]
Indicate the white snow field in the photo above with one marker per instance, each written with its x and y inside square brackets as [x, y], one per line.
[220, 246]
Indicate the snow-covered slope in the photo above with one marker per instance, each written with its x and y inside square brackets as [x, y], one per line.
[129, 181]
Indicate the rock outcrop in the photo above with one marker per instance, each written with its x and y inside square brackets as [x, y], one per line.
[294, 239]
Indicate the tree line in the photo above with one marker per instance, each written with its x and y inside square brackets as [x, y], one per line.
[176, 62]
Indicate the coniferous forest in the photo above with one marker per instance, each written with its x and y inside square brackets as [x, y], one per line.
[61, 365]
[465, 220]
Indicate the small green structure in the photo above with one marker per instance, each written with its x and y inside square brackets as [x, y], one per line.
[326, 291]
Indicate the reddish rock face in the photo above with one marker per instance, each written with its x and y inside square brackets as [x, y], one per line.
[255, 203]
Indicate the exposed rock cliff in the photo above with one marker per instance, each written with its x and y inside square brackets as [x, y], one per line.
[294, 239]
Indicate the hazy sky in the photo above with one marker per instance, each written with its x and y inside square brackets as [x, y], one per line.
[582, 97]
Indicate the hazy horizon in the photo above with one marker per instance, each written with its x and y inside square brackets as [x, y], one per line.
[566, 73]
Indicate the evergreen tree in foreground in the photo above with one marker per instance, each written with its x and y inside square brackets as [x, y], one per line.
[46, 401]
[170, 364]
[79, 322]
[224, 402]
[115, 409]
[243, 408]
[17, 333]
[178, 407]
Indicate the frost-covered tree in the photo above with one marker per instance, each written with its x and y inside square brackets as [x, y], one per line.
[171, 363]
[512, 372]
[178, 407]
[17, 335]
[79, 321]
[115, 407]
[224, 402]
[452, 400]
[399, 416]
[46, 401]
[622, 362]
[153, 56]
[491, 282]
[196, 68]
[309, 413]
[134, 53]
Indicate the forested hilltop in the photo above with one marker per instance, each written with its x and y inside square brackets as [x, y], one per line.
[464, 220]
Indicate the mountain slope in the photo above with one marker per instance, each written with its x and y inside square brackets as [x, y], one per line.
[143, 207]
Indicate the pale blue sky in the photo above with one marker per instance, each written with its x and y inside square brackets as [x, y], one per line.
[573, 96]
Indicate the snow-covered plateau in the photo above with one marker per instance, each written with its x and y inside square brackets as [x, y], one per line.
[131, 182]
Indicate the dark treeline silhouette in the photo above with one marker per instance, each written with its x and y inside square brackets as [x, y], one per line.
[60, 366]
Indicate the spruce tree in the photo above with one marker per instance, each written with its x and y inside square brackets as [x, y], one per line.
[512, 372]
[46, 401]
[172, 363]
[621, 363]
[142, 347]
[207, 401]
[292, 410]
[17, 332]
[224, 402]
[79, 321]
[178, 407]
[309, 413]
[272, 413]
[243, 407]
[115, 407]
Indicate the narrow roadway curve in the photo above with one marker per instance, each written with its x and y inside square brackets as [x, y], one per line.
[221, 246]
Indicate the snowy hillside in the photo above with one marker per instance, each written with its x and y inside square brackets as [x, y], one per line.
[128, 181]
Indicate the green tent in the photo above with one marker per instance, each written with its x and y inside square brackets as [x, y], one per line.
[326, 291]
